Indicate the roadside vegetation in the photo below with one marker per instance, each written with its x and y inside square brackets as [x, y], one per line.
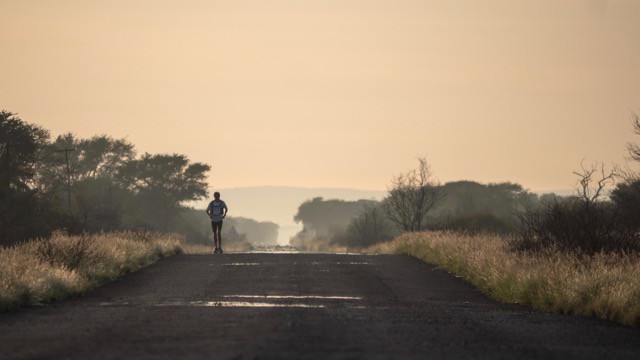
[61, 266]
[101, 184]
[604, 285]
[76, 213]
[576, 254]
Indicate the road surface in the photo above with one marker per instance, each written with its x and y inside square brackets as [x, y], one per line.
[292, 306]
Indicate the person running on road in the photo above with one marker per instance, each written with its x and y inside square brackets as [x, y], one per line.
[217, 210]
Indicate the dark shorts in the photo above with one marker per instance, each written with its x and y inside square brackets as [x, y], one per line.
[216, 225]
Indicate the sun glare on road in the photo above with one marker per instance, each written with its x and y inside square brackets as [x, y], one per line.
[320, 297]
[277, 301]
[248, 304]
[259, 301]
[241, 264]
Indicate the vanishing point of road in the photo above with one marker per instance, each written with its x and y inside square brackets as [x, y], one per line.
[297, 306]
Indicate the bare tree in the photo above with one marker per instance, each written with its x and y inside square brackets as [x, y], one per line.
[593, 193]
[411, 196]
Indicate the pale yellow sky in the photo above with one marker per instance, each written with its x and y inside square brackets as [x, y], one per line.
[342, 93]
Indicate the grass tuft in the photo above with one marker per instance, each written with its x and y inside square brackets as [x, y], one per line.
[41, 271]
[606, 286]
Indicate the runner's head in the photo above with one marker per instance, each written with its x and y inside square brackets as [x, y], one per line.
[216, 195]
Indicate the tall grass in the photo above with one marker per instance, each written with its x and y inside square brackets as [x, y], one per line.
[40, 271]
[606, 286]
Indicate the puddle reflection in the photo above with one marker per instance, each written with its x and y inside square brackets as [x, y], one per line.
[284, 297]
[243, 304]
[241, 264]
[255, 301]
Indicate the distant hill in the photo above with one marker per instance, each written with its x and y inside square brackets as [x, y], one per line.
[280, 203]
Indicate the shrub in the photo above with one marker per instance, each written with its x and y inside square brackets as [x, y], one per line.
[575, 225]
[586, 223]
[368, 228]
[626, 196]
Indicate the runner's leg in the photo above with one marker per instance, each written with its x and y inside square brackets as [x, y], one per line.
[220, 236]
[217, 236]
[215, 239]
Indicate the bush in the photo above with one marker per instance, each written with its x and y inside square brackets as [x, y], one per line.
[585, 223]
[574, 224]
[626, 196]
[368, 228]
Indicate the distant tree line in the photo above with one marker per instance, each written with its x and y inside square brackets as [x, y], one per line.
[324, 220]
[415, 202]
[256, 232]
[95, 184]
[602, 216]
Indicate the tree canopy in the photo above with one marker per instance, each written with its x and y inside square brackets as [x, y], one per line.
[105, 185]
[19, 145]
[171, 176]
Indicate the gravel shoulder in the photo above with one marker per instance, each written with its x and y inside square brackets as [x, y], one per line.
[272, 306]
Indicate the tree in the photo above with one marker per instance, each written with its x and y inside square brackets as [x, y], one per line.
[634, 149]
[99, 204]
[255, 232]
[19, 202]
[326, 218]
[411, 196]
[19, 145]
[161, 183]
[172, 176]
[94, 199]
[468, 199]
[369, 228]
[98, 157]
[110, 189]
[626, 196]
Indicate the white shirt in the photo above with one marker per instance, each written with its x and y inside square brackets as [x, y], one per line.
[215, 209]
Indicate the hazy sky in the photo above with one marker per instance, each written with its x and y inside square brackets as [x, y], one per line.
[342, 93]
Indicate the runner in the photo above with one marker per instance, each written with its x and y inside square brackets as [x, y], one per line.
[217, 210]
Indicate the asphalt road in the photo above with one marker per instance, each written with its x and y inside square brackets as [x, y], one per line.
[294, 306]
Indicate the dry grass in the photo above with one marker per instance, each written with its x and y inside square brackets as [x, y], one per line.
[46, 270]
[605, 285]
